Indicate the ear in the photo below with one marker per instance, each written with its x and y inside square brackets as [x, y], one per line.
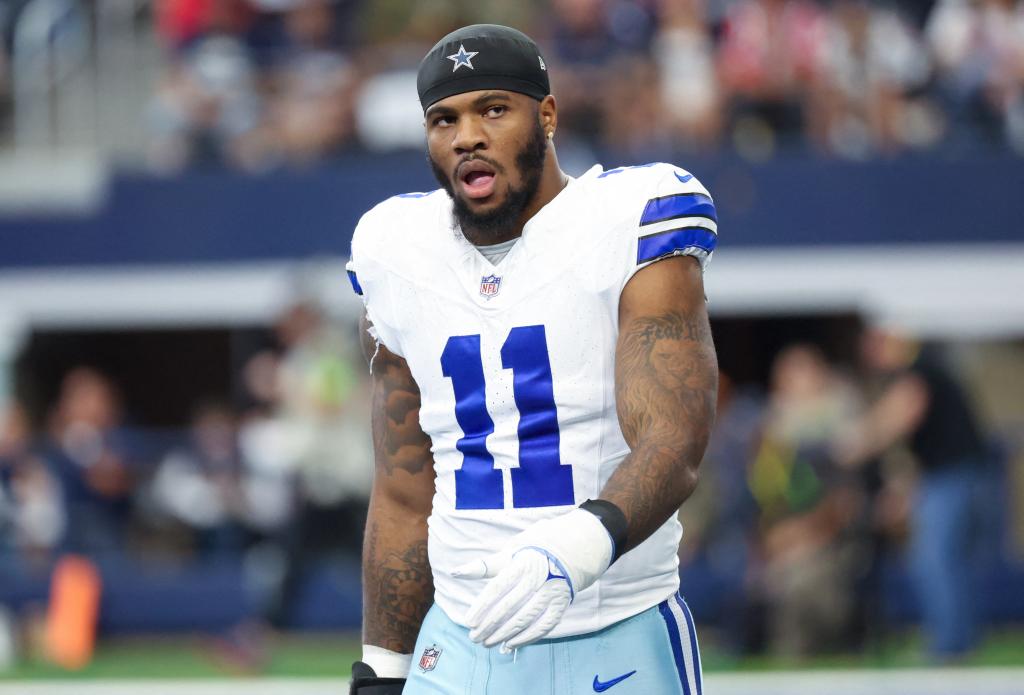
[547, 111]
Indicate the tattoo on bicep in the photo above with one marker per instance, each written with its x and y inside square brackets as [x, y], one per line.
[665, 373]
[666, 380]
[398, 590]
[398, 440]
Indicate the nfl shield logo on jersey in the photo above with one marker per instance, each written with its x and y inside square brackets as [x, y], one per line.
[429, 659]
[489, 285]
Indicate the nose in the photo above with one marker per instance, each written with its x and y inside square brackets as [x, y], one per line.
[469, 136]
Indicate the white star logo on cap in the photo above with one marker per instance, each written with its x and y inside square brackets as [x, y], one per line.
[463, 57]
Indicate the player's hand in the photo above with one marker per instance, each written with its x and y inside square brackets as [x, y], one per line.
[535, 577]
[366, 682]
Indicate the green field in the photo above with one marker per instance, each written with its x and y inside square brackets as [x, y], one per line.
[323, 656]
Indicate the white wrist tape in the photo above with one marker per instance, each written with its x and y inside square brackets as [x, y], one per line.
[386, 663]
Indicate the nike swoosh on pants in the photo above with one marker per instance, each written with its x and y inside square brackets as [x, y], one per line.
[600, 687]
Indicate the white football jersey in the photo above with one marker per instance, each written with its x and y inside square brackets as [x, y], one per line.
[515, 363]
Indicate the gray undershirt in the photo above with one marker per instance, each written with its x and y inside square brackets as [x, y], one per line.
[495, 253]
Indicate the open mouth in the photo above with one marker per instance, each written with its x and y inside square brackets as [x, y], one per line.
[476, 179]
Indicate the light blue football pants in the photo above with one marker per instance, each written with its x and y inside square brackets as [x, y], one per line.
[652, 653]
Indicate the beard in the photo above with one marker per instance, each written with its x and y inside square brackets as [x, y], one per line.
[492, 226]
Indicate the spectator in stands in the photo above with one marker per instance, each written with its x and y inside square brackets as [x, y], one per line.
[179, 22]
[312, 86]
[89, 454]
[923, 405]
[634, 122]
[321, 385]
[591, 38]
[258, 83]
[307, 468]
[807, 503]
[771, 51]
[266, 447]
[321, 379]
[689, 94]
[979, 54]
[31, 515]
[873, 63]
[198, 485]
[207, 110]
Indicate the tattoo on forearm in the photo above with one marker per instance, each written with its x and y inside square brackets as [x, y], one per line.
[398, 590]
[666, 380]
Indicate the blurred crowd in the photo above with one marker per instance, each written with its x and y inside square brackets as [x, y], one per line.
[810, 487]
[277, 480]
[260, 83]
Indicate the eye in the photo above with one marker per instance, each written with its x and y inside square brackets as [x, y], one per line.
[443, 120]
[495, 111]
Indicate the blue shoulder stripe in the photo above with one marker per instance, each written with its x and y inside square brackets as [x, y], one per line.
[355, 282]
[671, 207]
[657, 245]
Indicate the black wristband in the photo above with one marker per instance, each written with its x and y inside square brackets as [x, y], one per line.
[366, 682]
[614, 521]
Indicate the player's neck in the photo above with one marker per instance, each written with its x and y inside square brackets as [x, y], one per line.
[552, 181]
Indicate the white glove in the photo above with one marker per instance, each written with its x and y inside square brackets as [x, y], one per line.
[535, 577]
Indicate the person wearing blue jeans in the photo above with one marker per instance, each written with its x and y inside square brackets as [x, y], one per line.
[924, 406]
[951, 547]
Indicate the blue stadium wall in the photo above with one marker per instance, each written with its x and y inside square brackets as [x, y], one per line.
[219, 216]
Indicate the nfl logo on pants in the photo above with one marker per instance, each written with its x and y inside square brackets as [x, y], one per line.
[489, 285]
[429, 659]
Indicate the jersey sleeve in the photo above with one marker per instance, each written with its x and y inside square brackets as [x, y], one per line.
[368, 274]
[673, 215]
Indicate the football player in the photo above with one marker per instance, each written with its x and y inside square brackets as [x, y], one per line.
[544, 387]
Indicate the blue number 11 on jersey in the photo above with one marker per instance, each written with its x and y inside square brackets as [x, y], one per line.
[540, 480]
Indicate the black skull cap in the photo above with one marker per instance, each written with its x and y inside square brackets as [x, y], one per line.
[482, 56]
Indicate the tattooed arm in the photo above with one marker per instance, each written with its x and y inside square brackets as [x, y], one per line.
[397, 584]
[666, 381]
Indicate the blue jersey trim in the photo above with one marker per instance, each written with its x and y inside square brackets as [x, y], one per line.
[672, 207]
[657, 245]
[355, 283]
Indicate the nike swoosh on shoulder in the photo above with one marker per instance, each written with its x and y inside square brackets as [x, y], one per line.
[683, 179]
[600, 687]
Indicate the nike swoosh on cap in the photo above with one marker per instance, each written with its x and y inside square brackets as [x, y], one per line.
[600, 687]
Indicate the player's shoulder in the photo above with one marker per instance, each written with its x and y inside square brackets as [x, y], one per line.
[638, 195]
[399, 220]
[641, 178]
[646, 212]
